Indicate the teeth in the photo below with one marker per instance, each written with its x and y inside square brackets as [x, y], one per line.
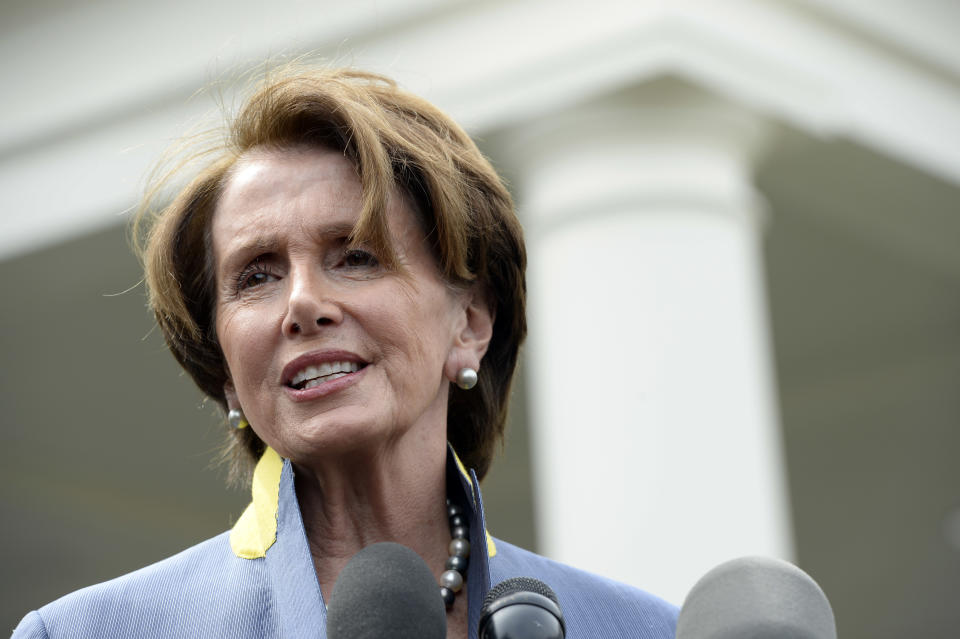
[324, 372]
[308, 373]
[317, 382]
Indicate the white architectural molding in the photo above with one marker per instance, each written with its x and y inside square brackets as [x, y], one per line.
[924, 28]
[96, 79]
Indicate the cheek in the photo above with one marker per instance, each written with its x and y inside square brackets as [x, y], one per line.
[430, 327]
[226, 328]
[236, 335]
[413, 328]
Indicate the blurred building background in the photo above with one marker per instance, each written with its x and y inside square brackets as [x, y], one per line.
[742, 216]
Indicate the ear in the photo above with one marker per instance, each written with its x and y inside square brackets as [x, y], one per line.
[230, 392]
[473, 334]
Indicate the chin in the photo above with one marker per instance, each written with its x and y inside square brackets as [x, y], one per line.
[332, 435]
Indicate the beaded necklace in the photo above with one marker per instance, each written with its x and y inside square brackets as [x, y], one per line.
[451, 581]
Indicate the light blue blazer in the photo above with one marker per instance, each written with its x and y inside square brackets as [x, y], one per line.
[258, 580]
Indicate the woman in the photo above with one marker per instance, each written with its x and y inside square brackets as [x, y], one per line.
[345, 277]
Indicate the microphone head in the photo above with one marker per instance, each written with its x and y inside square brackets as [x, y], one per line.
[521, 608]
[386, 590]
[756, 598]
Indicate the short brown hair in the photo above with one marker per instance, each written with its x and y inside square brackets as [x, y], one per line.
[395, 140]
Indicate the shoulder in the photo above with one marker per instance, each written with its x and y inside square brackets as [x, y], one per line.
[593, 606]
[203, 591]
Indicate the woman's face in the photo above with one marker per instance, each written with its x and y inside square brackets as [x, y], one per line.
[328, 351]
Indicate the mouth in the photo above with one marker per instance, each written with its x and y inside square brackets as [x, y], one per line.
[314, 375]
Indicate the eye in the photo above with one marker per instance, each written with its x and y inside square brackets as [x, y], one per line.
[358, 258]
[256, 279]
[255, 274]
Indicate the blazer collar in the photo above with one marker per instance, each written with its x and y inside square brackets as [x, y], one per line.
[271, 529]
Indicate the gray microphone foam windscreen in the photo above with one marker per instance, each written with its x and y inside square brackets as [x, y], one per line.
[386, 590]
[756, 598]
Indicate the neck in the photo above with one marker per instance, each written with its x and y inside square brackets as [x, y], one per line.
[394, 493]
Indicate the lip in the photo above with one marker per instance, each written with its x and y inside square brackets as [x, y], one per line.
[315, 358]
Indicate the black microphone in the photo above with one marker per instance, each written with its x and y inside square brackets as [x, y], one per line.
[756, 598]
[521, 608]
[386, 590]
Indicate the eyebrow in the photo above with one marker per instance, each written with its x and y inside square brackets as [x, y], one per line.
[241, 251]
[270, 242]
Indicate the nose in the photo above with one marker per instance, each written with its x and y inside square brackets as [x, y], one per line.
[310, 305]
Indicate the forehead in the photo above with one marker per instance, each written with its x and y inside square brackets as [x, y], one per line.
[262, 177]
[272, 196]
[268, 190]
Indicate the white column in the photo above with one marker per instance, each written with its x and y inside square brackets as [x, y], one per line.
[655, 431]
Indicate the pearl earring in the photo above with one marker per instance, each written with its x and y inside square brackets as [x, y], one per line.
[237, 419]
[466, 378]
